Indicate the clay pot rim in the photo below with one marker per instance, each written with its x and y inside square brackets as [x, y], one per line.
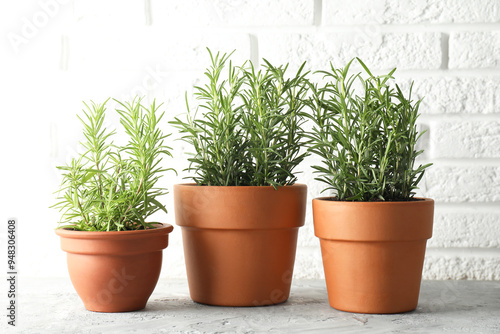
[373, 221]
[419, 201]
[240, 207]
[162, 228]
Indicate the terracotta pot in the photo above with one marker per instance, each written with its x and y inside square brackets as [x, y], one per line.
[115, 271]
[373, 252]
[239, 242]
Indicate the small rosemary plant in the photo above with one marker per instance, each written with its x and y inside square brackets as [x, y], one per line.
[112, 188]
[367, 142]
[250, 131]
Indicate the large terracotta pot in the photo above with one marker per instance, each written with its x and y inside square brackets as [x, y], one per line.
[115, 271]
[373, 252]
[239, 242]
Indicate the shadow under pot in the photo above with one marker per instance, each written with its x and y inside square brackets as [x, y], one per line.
[115, 271]
[239, 241]
[373, 252]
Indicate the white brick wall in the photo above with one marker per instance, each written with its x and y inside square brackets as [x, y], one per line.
[465, 139]
[382, 51]
[463, 93]
[410, 11]
[474, 50]
[56, 53]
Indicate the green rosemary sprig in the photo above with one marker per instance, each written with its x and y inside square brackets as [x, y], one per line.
[112, 188]
[250, 131]
[367, 142]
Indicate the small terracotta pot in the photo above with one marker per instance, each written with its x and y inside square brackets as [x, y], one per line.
[373, 252]
[115, 271]
[239, 242]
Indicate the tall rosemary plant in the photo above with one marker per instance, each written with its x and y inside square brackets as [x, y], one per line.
[249, 131]
[367, 141]
[112, 188]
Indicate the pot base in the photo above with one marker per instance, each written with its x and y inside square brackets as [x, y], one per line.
[373, 277]
[136, 307]
[242, 268]
[114, 283]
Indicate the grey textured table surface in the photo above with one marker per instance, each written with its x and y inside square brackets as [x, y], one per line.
[52, 306]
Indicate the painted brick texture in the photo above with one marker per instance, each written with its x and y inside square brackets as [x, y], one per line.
[382, 50]
[410, 12]
[475, 50]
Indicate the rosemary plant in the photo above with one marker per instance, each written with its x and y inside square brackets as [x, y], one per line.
[112, 188]
[367, 142]
[250, 132]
